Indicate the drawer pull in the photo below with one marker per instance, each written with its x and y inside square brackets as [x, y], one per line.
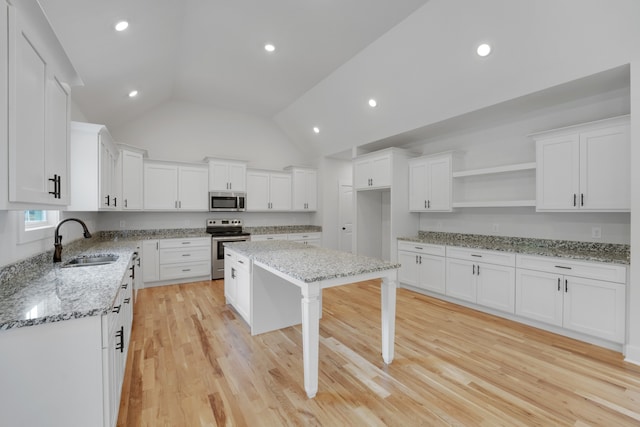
[474, 270]
[186, 254]
[186, 243]
[116, 309]
[477, 256]
[558, 284]
[127, 300]
[418, 247]
[566, 285]
[240, 262]
[562, 266]
[186, 269]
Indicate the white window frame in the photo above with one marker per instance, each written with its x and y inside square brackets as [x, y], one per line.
[37, 232]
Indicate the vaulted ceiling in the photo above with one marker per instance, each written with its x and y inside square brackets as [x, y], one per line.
[211, 51]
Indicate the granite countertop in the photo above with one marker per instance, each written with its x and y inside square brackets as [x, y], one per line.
[585, 251]
[308, 263]
[36, 291]
[283, 229]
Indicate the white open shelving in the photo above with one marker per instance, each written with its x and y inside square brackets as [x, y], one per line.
[499, 186]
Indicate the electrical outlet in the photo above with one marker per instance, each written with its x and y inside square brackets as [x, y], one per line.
[439, 225]
[596, 232]
[123, 224]
[495, 228]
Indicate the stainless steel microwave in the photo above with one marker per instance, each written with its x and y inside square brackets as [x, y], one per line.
[227, 201]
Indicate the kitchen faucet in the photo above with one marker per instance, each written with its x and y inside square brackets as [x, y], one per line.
[57, 253]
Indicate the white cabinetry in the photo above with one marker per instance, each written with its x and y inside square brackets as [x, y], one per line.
[227, 175]
[94, 158]
[422, 266]
[483, 277]
[268, 191]
[304, 189]
[35, 80]
[430, 183]
[584, 167]
[151, 257]
[580, 296]
[130, 173]
[170, 186]
[372, 171]
[169, 261]
[237, 283]
[313, 239]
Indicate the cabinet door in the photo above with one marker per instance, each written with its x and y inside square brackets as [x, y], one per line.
[108, 159]
[237, 177]
[243, 301]
[558, 173]
[431, 273]
[595, 307]
[151, 264]
[280, 192]
[408, 271]
[257, 191]
[381, 171]
[495, 287]
[218, 176]
[418, 186]
[160, 186]
[311, 188]
[304, 191]
[539, 296]
[193, 188]
[362, 174]
[230, 286]
[131, 180]
[439, 184]
[605, 169]
[57, 144]
[461, 279]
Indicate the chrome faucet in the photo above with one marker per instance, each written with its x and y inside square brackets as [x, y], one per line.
[57, 252]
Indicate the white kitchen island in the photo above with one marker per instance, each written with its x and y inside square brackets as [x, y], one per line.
[283, 273]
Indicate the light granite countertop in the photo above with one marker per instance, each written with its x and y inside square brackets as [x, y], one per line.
[283, 229]
[36, 290]
[308, 263]
[585, 251]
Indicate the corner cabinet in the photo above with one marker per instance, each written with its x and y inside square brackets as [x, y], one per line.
[584, 167]
[304, 189]
[93, 149]
[430, 183]
[36, 77]
[227, 175]
[170, 187]
[268, 191]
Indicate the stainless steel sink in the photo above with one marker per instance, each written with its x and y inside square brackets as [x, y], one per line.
[88, 260]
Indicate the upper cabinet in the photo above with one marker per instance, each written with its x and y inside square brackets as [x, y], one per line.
[268, 191]
[584, 167]
[35, 78]
[94, 158]
[372, 171]
[170, 186]
[430, 183]
[304, 188]
[227, 175]
[130, 177]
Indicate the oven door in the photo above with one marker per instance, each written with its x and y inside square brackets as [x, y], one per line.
[217, 253]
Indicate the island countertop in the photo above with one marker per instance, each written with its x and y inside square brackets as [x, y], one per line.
[308, 263]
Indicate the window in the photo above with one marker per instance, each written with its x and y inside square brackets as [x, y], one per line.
[37, 225]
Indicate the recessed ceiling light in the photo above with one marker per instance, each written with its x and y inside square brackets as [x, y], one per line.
[133, 94]
[316, 129]
[373, 102]
[122, 25]
[484, 49]
[269, 47]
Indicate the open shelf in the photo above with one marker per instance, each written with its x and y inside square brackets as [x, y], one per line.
[495, 170]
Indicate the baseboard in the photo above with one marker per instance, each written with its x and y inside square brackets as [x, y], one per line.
[632, 354]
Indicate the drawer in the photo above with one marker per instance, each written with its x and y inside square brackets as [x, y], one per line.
[569, 267]
[480, 255]
[422, 248]
[242, 262]
[186, 254]
[182, 243]
[305, 236]
[262, 237]
[184, 270]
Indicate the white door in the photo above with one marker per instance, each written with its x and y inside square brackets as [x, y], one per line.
[160, 186]
[495, 287]
[151, 261]
[431, 273]
[131, 180]
[280, 192]
[408, 271]
[539, 296]
[557, 175]
[418, 186]
[439, 182]
[257, 191]
[193, 188]
[345, 214]
[461, 279]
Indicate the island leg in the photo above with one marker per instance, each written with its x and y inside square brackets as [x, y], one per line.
[388, 291]
[310, 336]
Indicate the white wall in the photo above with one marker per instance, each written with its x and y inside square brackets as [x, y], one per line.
[189, 132]
[507, 143]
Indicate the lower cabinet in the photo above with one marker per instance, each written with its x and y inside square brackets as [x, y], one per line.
[67, 373]
[482, 277]
[313, 239]
[237, 284]
[571, 294]
[422, 266]
[170, 261]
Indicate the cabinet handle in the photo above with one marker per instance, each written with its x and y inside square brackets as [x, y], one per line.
[428, 204]
[120, 336]
[56, 186]
[474, 269]
[180, 204]
[478, 270]
[138, 261]
[125, 203]
[115, 202]
[581, 199]
[420, 259]
[127, 300]
[418, 247]
[240, 262]
[233, 273]
[157, 246]
[558, 284]
[562, 266]
[186, 243]
[186, 254]
[566, 285]
[116, 309]
[124, 286]
[574, 199]
[425, 204]
[416, 259]
[108, 197]
[477, 256]
[186, 269]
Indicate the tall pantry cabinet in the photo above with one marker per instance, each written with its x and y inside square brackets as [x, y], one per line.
[35, 80]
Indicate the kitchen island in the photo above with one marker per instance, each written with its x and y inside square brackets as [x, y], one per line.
[284, 288]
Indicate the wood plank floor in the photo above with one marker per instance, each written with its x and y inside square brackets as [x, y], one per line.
[193, 362]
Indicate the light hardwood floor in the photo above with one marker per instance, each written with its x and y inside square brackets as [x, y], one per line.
[193, 362]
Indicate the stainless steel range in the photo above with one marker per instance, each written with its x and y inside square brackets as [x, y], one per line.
[223, 230]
